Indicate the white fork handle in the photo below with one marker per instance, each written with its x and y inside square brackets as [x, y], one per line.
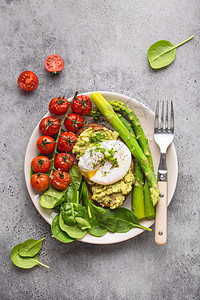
[161, 215]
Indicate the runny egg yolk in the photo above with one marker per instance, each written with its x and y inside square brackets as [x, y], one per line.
[88, 174]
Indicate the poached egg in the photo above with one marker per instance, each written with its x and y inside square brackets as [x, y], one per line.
[106, 163]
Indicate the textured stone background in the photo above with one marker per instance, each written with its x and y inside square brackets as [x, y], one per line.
[104, 45]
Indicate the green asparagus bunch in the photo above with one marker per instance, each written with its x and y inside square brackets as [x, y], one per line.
[131, 141]
[141, 201]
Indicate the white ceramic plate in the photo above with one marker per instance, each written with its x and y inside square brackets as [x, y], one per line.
[146, 117]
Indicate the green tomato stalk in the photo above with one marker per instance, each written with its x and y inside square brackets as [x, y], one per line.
[58, 135]
[131, 142]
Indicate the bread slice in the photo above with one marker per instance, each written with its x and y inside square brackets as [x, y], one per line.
[97, 127]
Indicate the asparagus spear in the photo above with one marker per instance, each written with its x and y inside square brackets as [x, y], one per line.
[108, 112]
[126, 123]
[150, 210]
[138, 192]
[141, 202]
[143, 141]
[96, 114]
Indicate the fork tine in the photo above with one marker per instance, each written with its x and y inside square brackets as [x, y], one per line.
[162, 117]
[172, 117]
[167, 117]
[156, 116]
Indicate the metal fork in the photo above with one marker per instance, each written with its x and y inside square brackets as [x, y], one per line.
[163, 135]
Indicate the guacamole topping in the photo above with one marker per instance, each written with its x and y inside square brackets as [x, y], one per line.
[112, 195]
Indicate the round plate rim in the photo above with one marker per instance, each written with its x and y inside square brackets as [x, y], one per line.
[98, 240]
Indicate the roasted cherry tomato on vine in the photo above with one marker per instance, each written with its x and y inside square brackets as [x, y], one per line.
[60, 180]
[66, 141]
[49, 126]
[58, 106]
[54, 63]
[46, 144]
[82, 105]
[40, 182]
[28, 81]
[73, 122]
[63, 161]
[40, 164]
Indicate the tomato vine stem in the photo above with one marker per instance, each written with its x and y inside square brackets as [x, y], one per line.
[59, 132]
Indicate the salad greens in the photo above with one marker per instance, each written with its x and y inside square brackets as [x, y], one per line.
[162, 53]
[58, 233]
[25, 255]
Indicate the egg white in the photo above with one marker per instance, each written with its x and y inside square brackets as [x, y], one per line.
[90, 166]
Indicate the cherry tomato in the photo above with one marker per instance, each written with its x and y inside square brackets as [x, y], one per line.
[40, 182]
[49, 126]
[82, 105]
[60, 180]
[40, 164]
[58, 106]
[73, 122]
[66, 141]
[27, 81]
[46, 144]
[54, 63]
[63, 161]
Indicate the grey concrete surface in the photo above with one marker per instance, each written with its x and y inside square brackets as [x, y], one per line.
[104, 45]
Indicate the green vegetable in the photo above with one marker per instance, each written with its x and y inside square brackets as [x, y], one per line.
[96, 229]
[71, 192]
[30, 247]
[70, 211]
[138, 194]
[142, 140]
[73, 231]
[107, 110]
[120, 220]
[76, 176]
[150, 210]
[162, 53]
[52, 197]
[126, 123]
[58, 233]
[96, 114]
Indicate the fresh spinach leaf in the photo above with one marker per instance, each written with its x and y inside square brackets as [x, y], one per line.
[51, 198]
[162, 53]
[70, 211]
[76, 176]
[71, 192]
[82, 223]
[73, 231]
[96, 229]
[58, 233]
[120, 220]
[24, 262]
[30, 247]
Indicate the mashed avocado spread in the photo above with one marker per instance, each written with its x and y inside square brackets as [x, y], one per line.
[112, 195]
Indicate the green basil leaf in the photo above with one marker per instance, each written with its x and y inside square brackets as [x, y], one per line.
[30, 247]
[51, 198]
[58, 233]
